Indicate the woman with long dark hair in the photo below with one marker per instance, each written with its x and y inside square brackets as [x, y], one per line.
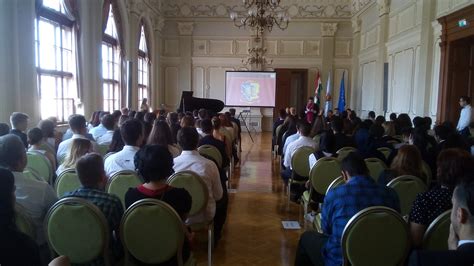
[161, 135]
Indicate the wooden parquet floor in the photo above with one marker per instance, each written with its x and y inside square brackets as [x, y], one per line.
[253, 233]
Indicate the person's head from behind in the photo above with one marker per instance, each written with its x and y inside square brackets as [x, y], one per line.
[303, 127]
[376, 131]
[442, 132]
[35, 136]
[282, 113]
[327, 143]
[388, 128]
[393, 117]
[203, 114]
[7, 200]
[19, 121]
[353, 165]
[4, 129]
[428, 122]
[371, 115]
[124, 111]
[108, 121]
[293, 111]
[310, 99]
[12, 153]
[172, 118]
[462, 213]
[154, 163]
[404, 120]
[90, 170]
[452, 165]
[77, 123]
[232, 112]
[122, 120]
[187, 121]
[79, 148]
[132, 132]
[117, 142]
[418, 122]
[150, 118]
[196, 113]
[408, 161]
[206, 126]
[47, 127]
[380, 119]
[188, 138]
[216, 123]
[160, 134]
[337, 125]
[464, 100]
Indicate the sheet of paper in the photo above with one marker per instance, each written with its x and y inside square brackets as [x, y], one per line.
[291, 225]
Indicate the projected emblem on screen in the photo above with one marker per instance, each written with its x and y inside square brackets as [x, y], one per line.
[249, 92]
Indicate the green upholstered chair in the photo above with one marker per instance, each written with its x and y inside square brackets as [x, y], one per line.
[24, 222]
[212, 152]
[66, 181]
[152, 232]
[436, 235]
[343, 152]
[299, 166]
[275, 146]
[428, 175]
[375, 236]
[385, 151]
[198, 190]
[407, 188]
[120, 182]
[376, 167]
[335, 183]
[321, 176]
[108, 154]
[39, 164]
[102, 149]
[77, 229]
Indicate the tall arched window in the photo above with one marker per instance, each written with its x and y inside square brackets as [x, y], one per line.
[111, 63]
[143, 66]
[55, 60]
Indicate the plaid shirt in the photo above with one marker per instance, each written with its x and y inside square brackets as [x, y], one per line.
[343, 202]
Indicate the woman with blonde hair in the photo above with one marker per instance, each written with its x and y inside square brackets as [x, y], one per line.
[407, 162]
[79, 148]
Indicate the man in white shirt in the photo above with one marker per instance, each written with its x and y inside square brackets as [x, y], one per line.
[34, 195]
[290, 139]
[77, 123]
[304, 140]
[191, 160]
[132, 135]
[101, 128]
[108, 121]
[465, 116]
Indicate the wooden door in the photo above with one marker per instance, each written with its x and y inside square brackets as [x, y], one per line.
[283, 90]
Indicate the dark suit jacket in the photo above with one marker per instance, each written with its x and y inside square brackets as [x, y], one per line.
[22, 136]
[463, 256]
[210, 140]
[343, 140]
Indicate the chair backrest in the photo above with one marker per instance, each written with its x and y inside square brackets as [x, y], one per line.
[66, 181]
[428, 175]
[277, 130]
[108, 154]
[40, 164]
[77, 229]
[407, 188]
[152, 232]
[103, 148]
[195, 186]
[335, 183]
[300, 162]
[323, 173]
[24, 222]
[375, 236]
[436, 235]
[120, 182]
[343, 152]
[212, 152]
[385, 151]
[376, 166]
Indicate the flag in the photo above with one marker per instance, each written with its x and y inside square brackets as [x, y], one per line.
[328, 105]
[317, 90]
[342, 95]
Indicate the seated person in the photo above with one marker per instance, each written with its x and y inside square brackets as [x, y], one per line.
[452, 165]
[206, 126]
[161, 135]
[16, 248]
[278, 122]
[341, 140]
[4, 129]
[79, 148]
[303, 141]
[327, 148]
[50, 138]
[108, 122]
[101, 129]
[461, 233]
[37, 144]
[90, 170]
[77, 123]
[19, 122]
[34, 195]
[340, 204]
[407, 162]
[133, 135]
[190, 159]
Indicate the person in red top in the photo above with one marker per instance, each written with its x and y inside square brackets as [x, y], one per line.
[310, 110]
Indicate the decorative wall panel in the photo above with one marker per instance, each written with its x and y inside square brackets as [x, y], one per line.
[312, 48]
[291, 47]
[218, 47]
[171, 48]
[343, 48]
[199, 47]
[172, 93]
[198, 82]
[242, 47]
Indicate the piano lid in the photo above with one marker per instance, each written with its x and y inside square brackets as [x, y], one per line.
[190, 103]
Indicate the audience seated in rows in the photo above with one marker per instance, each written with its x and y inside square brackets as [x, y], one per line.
[37, 144]
[77, 124]
[108, 122]
[79, 148]
[407, 162]
[161, 135]
[209, 139]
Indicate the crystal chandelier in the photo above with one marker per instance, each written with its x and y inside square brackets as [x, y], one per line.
[262, 15]
[257, 57]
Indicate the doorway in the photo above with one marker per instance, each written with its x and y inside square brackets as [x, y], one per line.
[291, 89]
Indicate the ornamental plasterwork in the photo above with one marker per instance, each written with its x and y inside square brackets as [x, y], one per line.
[328, 29]
[221, 8]
[357, 5]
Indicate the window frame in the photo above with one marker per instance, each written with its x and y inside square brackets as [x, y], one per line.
[145, 57]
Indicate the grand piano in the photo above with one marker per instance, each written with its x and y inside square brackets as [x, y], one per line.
[190, 103]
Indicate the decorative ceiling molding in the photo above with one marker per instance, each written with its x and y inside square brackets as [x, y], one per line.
[185, 28]
[358, 5]
[383, 6]
[328, 29]
[297, 9]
